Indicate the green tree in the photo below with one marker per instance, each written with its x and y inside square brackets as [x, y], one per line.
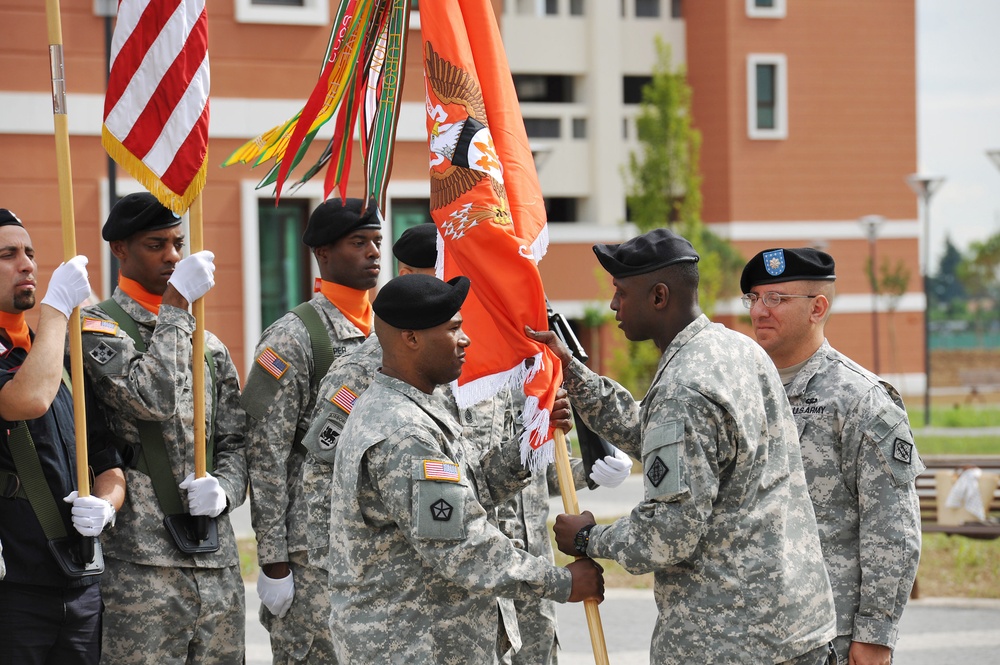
[979, 273]
[946, 289]
[663, 184]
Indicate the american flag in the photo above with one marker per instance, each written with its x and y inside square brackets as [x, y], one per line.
[344, 398]
[272, 362]
[99, 326]
[156, 106]
[434, 470]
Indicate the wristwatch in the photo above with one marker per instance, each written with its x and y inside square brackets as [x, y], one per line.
[582, 539]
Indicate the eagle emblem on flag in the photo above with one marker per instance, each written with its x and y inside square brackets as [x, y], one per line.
[465, 144]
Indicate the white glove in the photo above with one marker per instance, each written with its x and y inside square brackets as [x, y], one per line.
[276, 594]
[90, 513]
[194, 276]
[205, 495]
[69, 286]
[612, 470]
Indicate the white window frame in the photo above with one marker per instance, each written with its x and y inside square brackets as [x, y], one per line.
[780, 131]
[777, 11]
[313, 12]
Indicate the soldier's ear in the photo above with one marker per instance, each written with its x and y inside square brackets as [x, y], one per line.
[660, 295]
[410, 338]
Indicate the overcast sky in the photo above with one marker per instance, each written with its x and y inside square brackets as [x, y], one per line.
[958, 112]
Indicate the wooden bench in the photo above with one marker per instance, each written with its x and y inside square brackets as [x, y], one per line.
[927, 491]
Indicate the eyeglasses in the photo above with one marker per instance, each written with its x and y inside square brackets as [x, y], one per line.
[771, 299]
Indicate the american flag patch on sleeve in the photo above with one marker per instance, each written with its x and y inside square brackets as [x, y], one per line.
[272, 363]
[100, 326]
[434, 470]
[344, 398]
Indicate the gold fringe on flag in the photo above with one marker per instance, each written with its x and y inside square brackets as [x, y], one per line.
[178, 203]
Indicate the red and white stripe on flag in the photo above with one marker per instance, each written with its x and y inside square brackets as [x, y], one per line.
[156, 107]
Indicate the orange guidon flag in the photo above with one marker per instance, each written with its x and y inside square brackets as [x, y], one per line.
[488, 208]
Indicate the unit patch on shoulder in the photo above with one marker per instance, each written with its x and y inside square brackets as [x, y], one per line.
[902, 451]
[100, 326]
[102, 353]
[344, 398]
[441, 511]
[328, 437]
[272, 363]
[434, 470]
[657, 471]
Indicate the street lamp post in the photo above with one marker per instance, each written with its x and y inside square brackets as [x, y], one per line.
[924, 187]
[871, 224]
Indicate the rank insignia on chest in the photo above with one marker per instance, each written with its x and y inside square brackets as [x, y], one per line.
[434, 470]
[344, 398]
[272, 363]
[100, 326]
[441, 510]
[102, 353]
[902, 451]
[657, 472]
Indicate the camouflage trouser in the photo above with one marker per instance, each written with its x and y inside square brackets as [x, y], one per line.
[537, 620]
[171, 616]
[303, 634]
[823, 655]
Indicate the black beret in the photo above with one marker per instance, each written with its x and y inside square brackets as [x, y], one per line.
[418, 302]
[417, 246]
[7, 218]
[651, 251]
[137, 212]
[773, 266]
[334, 219]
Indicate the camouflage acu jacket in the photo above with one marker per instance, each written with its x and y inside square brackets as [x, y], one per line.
[860, 463]
[726, 524]
[279, 398]
[156, 386]
[415, 566]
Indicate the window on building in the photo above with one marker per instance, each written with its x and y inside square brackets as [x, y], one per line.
[579, 128]
[543, 88]
[560, 209]
[537, 7]
[406, 212]
[285, 264]
[765, 8]
[647, 8]
[285, 12]
[676, 8]
[767, 96]
[542, 128]
[632, 88]
[576, 8]
[551, 7]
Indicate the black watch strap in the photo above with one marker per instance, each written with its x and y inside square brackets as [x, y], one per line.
[582, 539]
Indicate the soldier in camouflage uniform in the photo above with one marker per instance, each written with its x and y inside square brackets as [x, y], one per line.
[164, 606]
[279, 397]
[857, 450]
[523, 518]
[726, 524]
[415, 566]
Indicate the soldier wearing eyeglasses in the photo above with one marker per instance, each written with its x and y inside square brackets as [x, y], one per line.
[857, 450]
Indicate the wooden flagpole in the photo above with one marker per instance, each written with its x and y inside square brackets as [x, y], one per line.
[572, 507]
[198, 344]
[65, 177]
